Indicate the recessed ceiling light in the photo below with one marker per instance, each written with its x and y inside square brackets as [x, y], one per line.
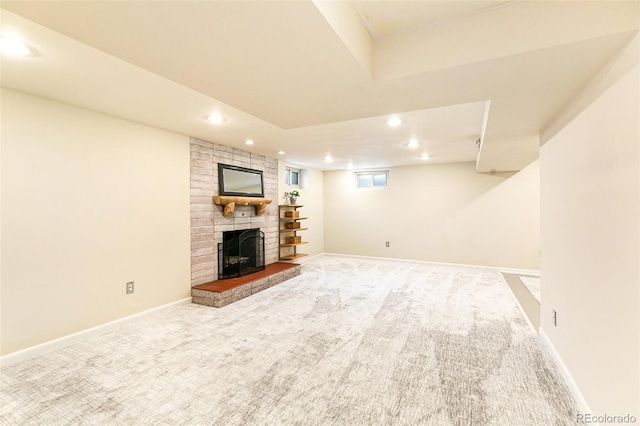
[394, 121]
[424, 156]
[413, 143]
[281, 152]
[13, 47]
[328, 159]
[249, 142]
[216, 119]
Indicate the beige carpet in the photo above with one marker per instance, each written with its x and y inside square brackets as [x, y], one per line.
[348, 342]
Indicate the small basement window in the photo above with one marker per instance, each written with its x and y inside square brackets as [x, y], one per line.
[292, 177]
[375, 179]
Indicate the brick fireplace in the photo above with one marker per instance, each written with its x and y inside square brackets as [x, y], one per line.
[207, 220]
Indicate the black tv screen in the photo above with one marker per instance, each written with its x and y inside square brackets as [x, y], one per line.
[240, 181]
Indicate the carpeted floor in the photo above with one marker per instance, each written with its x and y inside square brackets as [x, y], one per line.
[348, 342]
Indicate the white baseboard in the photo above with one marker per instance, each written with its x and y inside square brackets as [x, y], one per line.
[514, 271]
[524, 314]
[81, 335]
[306, 258]
[583, 407]
[428, 262]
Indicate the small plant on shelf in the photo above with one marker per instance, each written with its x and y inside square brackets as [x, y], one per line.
[292, 196]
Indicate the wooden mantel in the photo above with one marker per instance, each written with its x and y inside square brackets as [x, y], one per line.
[230, 203]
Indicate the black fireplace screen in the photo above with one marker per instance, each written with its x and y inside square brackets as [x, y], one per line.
[240, 253]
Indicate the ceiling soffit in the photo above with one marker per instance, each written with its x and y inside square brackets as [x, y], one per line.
[296, 65]
[381, 20]
[522, 27]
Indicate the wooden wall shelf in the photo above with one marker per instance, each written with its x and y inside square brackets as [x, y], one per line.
[293, 256]
[284, 221]
[230, 203]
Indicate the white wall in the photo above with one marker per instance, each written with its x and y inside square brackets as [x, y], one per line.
[590, 237]
[313, 200]
[442, 212]
[89, 202]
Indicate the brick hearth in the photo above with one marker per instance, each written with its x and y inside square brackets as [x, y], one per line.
[222, 292]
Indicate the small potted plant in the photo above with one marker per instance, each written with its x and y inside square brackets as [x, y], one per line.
[292, 196]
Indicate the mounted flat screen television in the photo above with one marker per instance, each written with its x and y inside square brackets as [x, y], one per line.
[239, 181]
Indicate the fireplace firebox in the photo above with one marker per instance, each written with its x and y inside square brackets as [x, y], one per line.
[240, 253]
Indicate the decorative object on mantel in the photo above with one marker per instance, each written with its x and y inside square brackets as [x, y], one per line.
[235, 181]
[292, 196]
[230, 203]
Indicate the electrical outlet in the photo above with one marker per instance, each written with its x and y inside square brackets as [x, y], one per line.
[386, 244]
[555, 318]
[130, 287]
